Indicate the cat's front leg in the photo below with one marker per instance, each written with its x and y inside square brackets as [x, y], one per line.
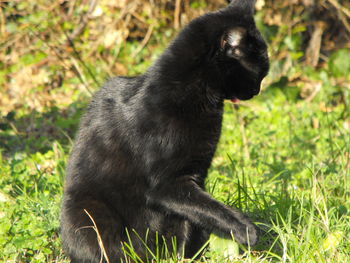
[182, 196]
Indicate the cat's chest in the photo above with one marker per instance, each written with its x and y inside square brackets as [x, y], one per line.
[204, 134]
[189, 138]
[176, 140]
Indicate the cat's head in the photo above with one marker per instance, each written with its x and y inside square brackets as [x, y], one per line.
[242, 57]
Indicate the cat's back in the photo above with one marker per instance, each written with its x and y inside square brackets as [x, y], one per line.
[103, 127]
[109, 103]
[117, 90]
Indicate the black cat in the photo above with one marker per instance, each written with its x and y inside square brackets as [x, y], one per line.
[146, 143]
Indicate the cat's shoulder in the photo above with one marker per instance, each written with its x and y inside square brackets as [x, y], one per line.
[120, 83]
[118, 88]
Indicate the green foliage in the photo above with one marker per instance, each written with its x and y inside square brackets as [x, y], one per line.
[221, 247]
[339, 63]
[31, 189]
[198, 4]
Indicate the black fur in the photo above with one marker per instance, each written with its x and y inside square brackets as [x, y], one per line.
[146, 143]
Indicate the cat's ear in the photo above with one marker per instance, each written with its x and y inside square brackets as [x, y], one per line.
[234, 36]
[246, 5]
[232, 42]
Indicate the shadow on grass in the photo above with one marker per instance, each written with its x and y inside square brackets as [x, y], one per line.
[36, 132]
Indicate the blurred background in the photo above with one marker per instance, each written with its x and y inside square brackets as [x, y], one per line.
[53, 51]
[55, 54]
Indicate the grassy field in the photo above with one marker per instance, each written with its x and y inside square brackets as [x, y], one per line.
[283, 158]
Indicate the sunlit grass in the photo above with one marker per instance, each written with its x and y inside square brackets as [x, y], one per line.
[287, 171]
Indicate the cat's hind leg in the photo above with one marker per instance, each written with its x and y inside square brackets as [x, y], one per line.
[91, 231]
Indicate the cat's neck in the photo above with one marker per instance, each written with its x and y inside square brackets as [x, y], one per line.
[186, 78]
[189, 94]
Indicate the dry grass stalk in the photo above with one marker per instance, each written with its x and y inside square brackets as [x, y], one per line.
[314, 47]
[177, 14]
[100, 242]
[144, 41]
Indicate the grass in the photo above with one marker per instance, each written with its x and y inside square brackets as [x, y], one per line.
[283, 158]
[284, 162]
[291, 175]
